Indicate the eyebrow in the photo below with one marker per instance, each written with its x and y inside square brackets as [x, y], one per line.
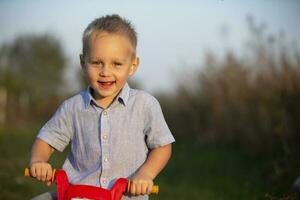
[119, 60]
[114, 59]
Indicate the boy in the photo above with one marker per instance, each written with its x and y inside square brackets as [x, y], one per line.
[114, 131]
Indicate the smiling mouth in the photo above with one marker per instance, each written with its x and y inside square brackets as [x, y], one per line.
[106, 83]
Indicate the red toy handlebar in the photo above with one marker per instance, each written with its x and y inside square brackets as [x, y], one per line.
[67, 191]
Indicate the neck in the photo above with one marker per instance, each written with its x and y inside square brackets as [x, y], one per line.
[104, 102]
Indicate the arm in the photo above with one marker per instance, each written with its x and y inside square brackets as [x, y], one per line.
[142, 182]
[39, 166]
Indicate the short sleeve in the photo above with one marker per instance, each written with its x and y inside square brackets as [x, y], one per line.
[57, 131]
[157, 131]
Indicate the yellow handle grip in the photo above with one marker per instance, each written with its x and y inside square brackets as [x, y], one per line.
[155, 188]
[28, 174]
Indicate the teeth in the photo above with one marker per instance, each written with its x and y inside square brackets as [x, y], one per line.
[106, 83]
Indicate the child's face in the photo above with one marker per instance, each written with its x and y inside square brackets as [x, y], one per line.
[109, 64]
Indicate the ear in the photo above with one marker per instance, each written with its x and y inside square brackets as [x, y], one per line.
[134, 65]
[82, 63]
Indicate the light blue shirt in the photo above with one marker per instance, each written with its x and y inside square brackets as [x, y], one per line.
[110, 143]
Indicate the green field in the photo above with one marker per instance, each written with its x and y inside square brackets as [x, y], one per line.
[194, 172]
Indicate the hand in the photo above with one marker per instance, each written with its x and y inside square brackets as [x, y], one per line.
[141, 185]
[42, 171]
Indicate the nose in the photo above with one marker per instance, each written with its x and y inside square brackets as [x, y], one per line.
[104, 70]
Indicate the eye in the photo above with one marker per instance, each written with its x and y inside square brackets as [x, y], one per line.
[117, 64]
[96, 62]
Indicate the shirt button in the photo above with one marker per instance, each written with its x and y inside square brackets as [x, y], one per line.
[105, 159]
[104, 181]
[105, 113]
[104, 136]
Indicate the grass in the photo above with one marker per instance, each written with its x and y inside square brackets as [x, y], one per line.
[209, 172]
[15, 146]
[194, 172]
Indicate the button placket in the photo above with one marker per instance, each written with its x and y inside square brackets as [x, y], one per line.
[105, 148]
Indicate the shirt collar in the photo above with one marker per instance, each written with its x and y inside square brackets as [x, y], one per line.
[87, 97]
[122, 97]
[124, 94]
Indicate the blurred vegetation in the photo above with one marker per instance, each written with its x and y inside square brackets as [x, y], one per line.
[31, 78]
[249, 101]
[236, 120]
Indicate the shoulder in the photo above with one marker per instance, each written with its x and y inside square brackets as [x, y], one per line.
[142, 97]
[144, 103]
[75, 102]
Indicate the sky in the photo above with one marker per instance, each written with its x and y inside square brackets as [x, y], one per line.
[173, 36]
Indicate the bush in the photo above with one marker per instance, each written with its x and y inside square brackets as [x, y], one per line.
[250, 101]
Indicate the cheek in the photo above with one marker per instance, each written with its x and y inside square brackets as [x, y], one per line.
[90, 76]
[90, 73]
[123, 78]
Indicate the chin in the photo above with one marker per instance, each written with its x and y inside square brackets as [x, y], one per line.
[106, 93]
